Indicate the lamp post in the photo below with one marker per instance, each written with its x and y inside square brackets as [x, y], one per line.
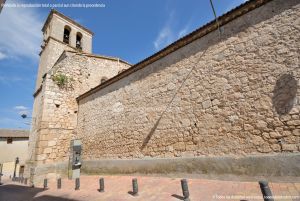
[1, 166]
[25, 116]
[16, 163]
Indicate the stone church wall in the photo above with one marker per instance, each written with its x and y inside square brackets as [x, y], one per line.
[49, 56]
[59, 115]
[231, 95]
[56, 111]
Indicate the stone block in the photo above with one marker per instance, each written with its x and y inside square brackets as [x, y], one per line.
[47, 150]
[296, 132]
[289, 147]
[261, 124]
[206, 104]
[179, 146]
[51, 143]
[41, 157]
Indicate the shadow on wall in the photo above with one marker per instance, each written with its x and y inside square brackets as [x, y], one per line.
[284, 94]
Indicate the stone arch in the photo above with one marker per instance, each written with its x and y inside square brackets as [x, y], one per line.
[79, 40]
[67, 33]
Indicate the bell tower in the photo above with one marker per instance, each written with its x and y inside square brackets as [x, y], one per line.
[61, 33]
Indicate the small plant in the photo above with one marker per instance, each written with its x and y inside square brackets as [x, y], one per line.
[61, 80]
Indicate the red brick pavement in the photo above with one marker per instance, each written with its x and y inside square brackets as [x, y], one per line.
[150, 188]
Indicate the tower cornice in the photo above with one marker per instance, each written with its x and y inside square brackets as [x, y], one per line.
[53, 11]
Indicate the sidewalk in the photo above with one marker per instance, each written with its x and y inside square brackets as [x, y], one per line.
[150, 188]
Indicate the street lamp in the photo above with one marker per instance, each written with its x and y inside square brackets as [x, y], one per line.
[25, 116]
[16, 163]
[1, 166]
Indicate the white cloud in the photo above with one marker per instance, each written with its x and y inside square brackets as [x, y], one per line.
[20, 107]
[185, 30]
[168, 33]
[232, 4]
[22, 110]
[2, 55]
[164, 38]
[20, 30]
[12, 123]
[79, 20]
[9, 79]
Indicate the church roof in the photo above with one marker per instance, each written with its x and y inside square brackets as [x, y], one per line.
[14, 133]
[66, 18]
[198, 33]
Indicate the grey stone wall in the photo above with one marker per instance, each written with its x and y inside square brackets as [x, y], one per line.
[233, 95]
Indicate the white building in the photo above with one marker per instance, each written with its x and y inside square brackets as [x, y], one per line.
[13, 144]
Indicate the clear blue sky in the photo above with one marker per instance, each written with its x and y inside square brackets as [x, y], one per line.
[131, 30]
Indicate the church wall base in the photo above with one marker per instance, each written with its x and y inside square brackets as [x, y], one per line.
[50, 171]
[269, 166]
[277, 167]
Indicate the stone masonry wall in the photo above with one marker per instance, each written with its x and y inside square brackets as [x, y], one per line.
[57, 29]
[49, 56]
[237, 94]
[59, 107]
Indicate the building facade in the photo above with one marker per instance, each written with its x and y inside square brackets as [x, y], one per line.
[13, 144]
[67, 69]
[224, 99]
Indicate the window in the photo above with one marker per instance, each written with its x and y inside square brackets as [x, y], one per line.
[9, 140]
[67, 31]
[78, 41]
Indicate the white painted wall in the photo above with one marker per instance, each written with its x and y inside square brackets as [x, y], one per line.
[9, 152]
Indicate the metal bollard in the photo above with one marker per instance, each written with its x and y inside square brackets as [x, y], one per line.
[77, 184]
[25, 181]
[135, 187]
[185, 190]
[266, 191]
[101, 184]
[59, 183]
[22, 180]
[45, 183]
